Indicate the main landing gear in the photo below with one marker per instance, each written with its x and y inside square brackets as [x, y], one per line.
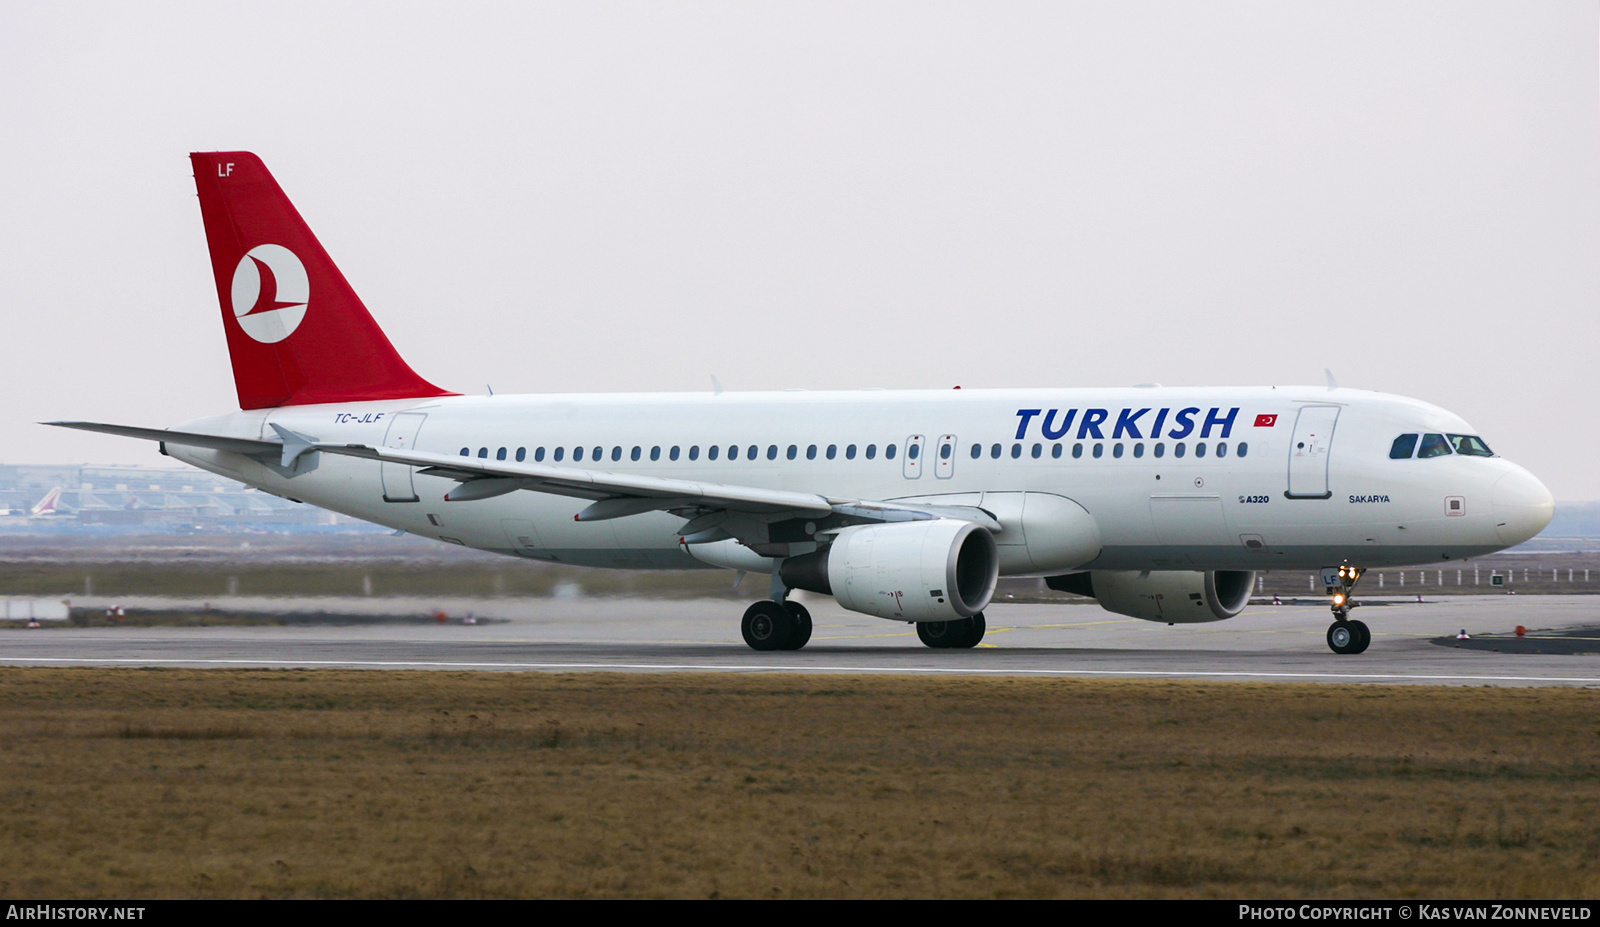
[773, 625]
[964, 632]
[1345, 635]
[770, 625]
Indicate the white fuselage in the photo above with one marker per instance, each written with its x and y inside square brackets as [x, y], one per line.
[1266, 478]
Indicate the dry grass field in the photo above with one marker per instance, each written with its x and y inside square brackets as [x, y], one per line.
[325, 784]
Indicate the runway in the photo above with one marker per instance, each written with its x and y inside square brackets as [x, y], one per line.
[1266, 643]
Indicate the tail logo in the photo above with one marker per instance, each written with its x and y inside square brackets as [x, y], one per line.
[270, 293]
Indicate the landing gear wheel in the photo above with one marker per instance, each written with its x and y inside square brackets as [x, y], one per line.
[938, 634]
[961, 633]
[1348, 637]
[1363, 634]
[767, 625]
[975, 628]
[802, 625]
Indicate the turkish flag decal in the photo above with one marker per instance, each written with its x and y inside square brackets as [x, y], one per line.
[1266, 421]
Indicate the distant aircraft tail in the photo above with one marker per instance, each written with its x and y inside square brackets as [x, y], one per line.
[48, 505]
[297, 332]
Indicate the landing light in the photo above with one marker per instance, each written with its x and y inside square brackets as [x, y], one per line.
[1338, 598]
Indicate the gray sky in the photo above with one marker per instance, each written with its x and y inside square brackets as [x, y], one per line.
[602, 196]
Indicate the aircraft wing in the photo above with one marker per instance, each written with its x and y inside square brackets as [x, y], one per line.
[482, 479]
[614, 495]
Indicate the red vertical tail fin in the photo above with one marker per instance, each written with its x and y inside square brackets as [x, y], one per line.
[297, 333]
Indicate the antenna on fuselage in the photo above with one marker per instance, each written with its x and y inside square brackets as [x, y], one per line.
[716, 387]
[1332, 383]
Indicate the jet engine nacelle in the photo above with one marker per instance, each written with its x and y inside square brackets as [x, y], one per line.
[1173, 596]
[939, 570]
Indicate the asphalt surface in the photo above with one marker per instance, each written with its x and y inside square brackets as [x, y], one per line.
[1413, 643]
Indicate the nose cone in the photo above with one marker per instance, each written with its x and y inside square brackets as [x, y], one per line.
[1522, 506]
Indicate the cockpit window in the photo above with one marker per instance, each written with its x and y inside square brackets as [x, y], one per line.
[1434, 446]
[1402, 447]
[1470, 445]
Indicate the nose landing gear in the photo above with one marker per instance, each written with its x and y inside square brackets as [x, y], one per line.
[1345, 635]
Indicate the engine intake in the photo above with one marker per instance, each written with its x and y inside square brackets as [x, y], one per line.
[938, 570]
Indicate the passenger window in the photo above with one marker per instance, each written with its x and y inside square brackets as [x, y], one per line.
[712, 452]
[1055, 451]
[888, 451]
[1016, 451]
[872, 451]
[811, 452]
[538, 454]
[1434, 446]
[500, 454]
[1402, 447]
[733, 452]
[655, 452]
[793, 452]
[850, 452]
[833, 451]
[995, 452]
[1077, 451]
[522, 454]
[1243, 449]
[772, 452]
[483, 453]
[559, 452]
[1222, 449]
[1470, 445]
[1160, 449]
[634, 454]
[1177, 449]
[577, 454]
[673, 454]
[1138, 450]
[753, 452]
[944, 451]
[616, 453]
[599, 452]
[1116, 451]
[694, 452]
[1200, 449]
[1038, 451]
[1099, 450]
[977, 451]
[466, 452]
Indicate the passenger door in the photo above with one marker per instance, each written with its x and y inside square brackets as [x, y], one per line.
[402, 434]
[1309, 450]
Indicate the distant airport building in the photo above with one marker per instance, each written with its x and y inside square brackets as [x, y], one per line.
[155, 496]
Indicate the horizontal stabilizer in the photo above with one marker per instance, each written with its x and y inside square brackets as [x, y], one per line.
[251, 446]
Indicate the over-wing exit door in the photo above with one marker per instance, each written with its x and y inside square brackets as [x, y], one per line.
[945, 466]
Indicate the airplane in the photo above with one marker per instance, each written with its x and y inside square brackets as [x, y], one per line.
[49, 506]
[1161, 503]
